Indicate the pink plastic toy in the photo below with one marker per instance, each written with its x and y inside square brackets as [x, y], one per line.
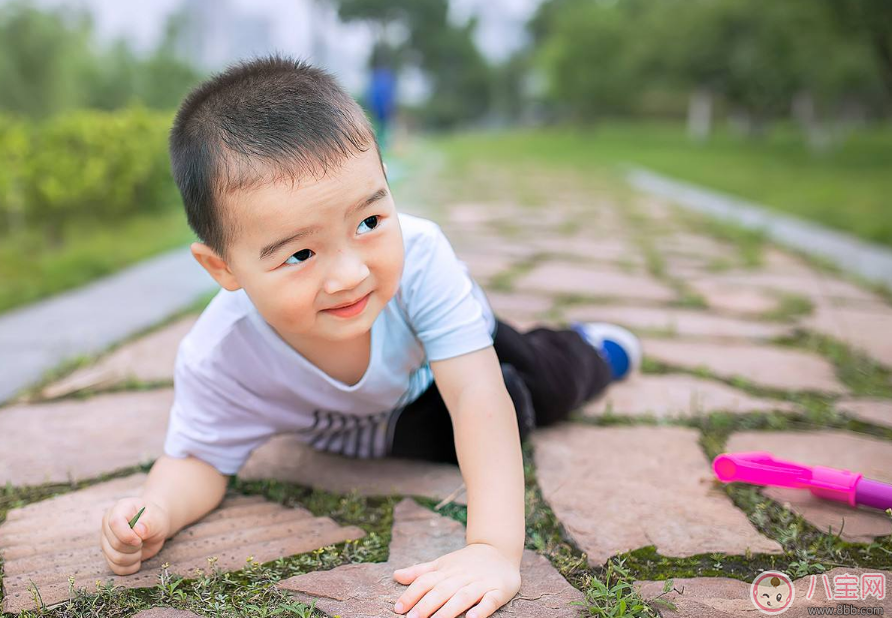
[761, 468]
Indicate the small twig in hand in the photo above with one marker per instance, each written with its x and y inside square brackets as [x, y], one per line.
[136, 517]
[450, 497]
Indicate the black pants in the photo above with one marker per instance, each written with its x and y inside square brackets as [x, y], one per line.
[560, 369]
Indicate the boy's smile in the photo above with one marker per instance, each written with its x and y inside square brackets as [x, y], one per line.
[301, 251]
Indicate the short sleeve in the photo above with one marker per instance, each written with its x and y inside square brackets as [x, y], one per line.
[211, 418]
[446, 315]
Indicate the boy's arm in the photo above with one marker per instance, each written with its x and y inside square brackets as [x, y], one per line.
[487, 444]
[187, 489]
[485, 574]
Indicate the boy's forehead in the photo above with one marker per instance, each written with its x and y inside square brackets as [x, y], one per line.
[270, 208]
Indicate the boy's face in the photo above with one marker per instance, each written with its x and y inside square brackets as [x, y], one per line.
[351, 249]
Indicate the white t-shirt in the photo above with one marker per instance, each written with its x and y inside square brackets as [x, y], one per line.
[237, 382]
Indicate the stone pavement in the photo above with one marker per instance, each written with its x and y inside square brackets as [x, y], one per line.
[87, 320]
[778, 356]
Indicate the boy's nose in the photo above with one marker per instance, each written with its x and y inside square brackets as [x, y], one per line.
[348, 272]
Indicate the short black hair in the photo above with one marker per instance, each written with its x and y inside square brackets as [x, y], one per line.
[259, 121]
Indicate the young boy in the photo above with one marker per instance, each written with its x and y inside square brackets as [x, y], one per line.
[350, 324]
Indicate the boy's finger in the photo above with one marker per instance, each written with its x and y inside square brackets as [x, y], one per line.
[420, 587]
[121, 528]
[490, 602]
[463, 599]
[411, 572]
[117, 560]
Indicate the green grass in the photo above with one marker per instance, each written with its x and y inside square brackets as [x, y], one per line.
[31, 269]
[846, 189]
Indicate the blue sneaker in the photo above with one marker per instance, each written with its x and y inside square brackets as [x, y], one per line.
[616, 345]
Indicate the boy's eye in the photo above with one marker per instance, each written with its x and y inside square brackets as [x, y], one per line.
[297, 256]
[301, 260]
[373, 217]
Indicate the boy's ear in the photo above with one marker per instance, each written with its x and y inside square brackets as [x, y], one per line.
[215, 265]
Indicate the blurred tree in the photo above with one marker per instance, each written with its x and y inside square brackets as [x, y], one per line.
[461, 78]
[760, 58]
[42, 55]
[871, 20]
[50, 62]
[589, 53]
[164, 77]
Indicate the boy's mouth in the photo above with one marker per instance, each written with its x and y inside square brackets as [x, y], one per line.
[347, 311]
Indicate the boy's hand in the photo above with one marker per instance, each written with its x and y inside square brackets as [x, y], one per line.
[125, 549]
[478, 574]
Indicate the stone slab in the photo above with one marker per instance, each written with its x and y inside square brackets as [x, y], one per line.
[724, 296]
[47, 541]
[482, 267]
[768, 366]
[876, 411]
[284, 458]
[696, 244]
[478, 213]
[588, 248]
[566, 278]
[867, 329]
[148, 359]
[81, 439]
[682, 322]
[653, 486]
[677, 396]
[867, 455]
[517, 305]
[420, 535]
[815, 287]
[723, 597]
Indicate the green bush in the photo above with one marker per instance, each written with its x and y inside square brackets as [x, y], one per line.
[14, 146]
[88, 164]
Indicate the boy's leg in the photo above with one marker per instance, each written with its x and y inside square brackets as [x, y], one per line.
[561, 369]
[548, 373]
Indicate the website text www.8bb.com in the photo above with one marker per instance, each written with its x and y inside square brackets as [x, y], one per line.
[845, 610]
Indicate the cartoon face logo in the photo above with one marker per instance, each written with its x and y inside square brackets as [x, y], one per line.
[772, 592]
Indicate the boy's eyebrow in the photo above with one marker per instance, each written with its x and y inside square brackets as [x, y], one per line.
[271, 248]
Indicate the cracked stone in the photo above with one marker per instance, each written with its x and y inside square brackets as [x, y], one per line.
[69, 439]
[47, 541]
[663, 495]
[860, 453]
[148, 359]
[593, 281]
[675, 395]
[768, 366]
[285, 458]
[420, 535]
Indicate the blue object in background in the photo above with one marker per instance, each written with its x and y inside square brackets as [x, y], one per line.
[381, 100]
